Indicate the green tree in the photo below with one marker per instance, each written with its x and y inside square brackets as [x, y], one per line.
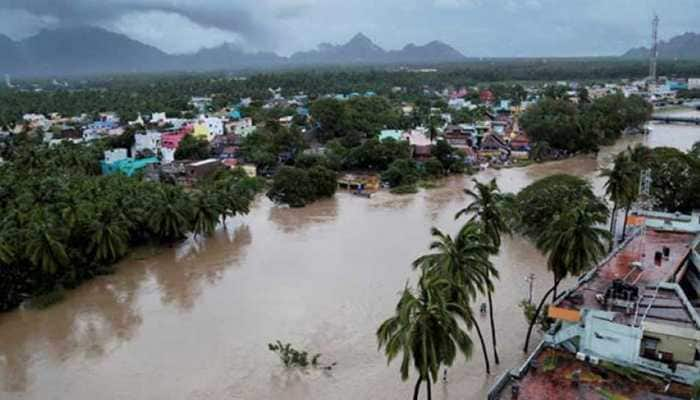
[620, 185]
[207, 207]
[543, 200]
[192, 148]
[44, 247]
[109, 238]
[401, 173]
[573, 243]
[462, 261]
[169, 215]
[426, 331]
[486, 209]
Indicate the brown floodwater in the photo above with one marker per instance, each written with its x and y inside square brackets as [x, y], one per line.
[193, 322]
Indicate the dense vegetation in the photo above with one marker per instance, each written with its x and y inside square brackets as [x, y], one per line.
[62, 222]
[543, 200]
[170, 93]
[559, 123]
[298, 186]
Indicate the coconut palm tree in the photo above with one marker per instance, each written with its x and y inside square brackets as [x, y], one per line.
[464, 262]
[426, 331]
[486, 209]
[205, 212]
[7, 253]
[573, 242]
[108, 238]
[44, 249]
[616, 184]
[169, 214]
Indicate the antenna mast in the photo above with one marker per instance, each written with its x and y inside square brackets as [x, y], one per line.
[654, 52]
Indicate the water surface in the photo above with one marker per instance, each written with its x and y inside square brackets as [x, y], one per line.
[193, 322]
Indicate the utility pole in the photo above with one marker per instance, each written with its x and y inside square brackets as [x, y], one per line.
[654, 51]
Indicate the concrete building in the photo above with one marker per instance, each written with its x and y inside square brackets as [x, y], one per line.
[640, 307]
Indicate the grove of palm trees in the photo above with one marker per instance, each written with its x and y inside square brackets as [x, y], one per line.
[62, 222]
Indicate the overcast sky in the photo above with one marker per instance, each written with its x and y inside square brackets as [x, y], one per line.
[475, 27]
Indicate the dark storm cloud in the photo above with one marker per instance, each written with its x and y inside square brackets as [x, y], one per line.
[223, 15]
[475, 27]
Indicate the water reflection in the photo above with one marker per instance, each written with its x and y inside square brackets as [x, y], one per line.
[291, 220]
[72, 329]
[182, 272]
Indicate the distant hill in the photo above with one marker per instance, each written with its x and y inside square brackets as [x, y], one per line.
[685, 46]
[89, 50]
[361, 50]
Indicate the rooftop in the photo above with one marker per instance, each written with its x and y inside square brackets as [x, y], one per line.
[663, 303]
[557, 371]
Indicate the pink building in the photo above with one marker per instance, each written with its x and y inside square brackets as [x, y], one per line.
[172, 140]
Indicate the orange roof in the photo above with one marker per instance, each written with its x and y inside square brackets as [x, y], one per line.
[635, 220]
[563, 314]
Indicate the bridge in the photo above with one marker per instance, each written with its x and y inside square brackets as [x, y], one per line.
[670, 119]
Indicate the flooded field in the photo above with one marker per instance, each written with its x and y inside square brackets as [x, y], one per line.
[193, 322]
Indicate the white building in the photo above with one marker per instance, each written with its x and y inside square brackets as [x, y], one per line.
[112, 156]
[157, 118]
[146, 141]
[242, 127]
[693, 83]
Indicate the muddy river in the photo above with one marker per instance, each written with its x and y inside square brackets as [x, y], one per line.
[193, 322]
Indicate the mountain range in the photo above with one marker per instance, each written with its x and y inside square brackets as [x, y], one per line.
[685, 46]
[90, 50]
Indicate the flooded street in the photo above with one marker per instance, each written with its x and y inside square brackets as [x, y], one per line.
[193, 322]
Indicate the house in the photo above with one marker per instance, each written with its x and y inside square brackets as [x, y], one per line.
[659, 335]
[200, 169]
[420, 142]
[486, 96]
[116, 162]
[492, 143]
[520, 143]
[208, 127]
[242, 127]
[390, 134]
[158, 118]
[148, 142]
[693, 83]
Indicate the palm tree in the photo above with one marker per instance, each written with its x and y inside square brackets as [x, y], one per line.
[205, 212]
[617, 186]
[573, 242]
[487, 209]
[169, 214]
[464, 262]
[44, 249]
[7, 253]
[426, 331]
[109, 239]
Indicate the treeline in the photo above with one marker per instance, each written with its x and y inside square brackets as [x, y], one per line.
[558, 123]
[63, 223]
[130, 94]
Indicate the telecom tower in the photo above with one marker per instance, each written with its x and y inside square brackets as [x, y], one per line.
[654, 52]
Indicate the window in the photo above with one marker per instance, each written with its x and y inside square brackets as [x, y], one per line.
[649, 346]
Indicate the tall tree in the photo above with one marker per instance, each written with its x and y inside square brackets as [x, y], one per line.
[464, 262]
[573, 242]
[426, 331]
[620, 184]
[486, 209]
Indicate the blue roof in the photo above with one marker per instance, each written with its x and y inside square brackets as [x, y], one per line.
[235, 114]
[127, 166]
[390, 134]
